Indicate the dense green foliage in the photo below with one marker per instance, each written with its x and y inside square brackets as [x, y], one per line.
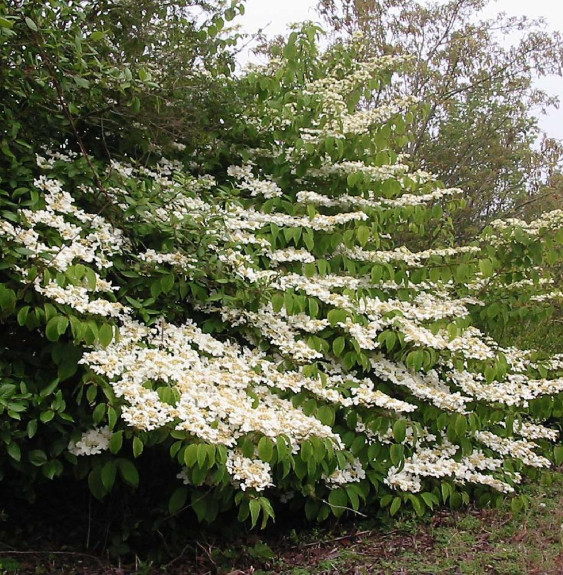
[235, 293]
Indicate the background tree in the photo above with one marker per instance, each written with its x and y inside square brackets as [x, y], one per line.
[477, 128]
[94, 65]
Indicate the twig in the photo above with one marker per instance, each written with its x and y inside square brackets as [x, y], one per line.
[333, 540]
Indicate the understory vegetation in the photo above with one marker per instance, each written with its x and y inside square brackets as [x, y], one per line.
[233, 298]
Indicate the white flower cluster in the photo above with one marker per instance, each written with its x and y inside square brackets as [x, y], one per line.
[92, 241]
[92, 442]
[345, 200]
[78, 298]
[352, 473]
[513, 448]
[403, 254]
[257, 187]
[175, 259]
[438, 461]
[249, 473]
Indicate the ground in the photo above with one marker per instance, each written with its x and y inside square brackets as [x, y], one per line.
[469, 542]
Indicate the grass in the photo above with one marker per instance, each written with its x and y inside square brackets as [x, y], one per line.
[470, 542]
[473, 542]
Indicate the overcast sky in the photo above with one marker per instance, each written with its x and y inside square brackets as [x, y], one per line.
[275, 15]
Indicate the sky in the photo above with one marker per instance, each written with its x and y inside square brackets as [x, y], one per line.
[275, 15]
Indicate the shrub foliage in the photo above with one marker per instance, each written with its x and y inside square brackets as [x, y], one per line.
[273, 306]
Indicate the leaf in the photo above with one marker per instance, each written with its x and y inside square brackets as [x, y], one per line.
[128, 472]
[55, 327]
[81, 82]
[190, 454]
[14, 451]
[177, 500]
[99, 413]
[395, 506]
[461, 425]
[325, 415]
[50, 388]
[396, 453]
[486, 267]
[116, 442]
[338, 501]
[22, 315]
[336, 316]
[167, 283]
[37, 457]
[95, 483]
[31, 428]
[97, 35]
[266, 449]
[201, 454]
[105, 334]
[363, 234]
[137, 446]
[338, 346]
[400, 430]
[430, 499]
[277, 302]
[255, 508]
[31, 24]
[108, 473]
[46, 416]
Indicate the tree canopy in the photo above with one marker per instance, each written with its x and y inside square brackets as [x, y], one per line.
[476, 78]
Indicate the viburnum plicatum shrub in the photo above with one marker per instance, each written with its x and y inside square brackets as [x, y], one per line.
[282, 313]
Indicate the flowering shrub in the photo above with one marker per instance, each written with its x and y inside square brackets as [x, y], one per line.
[281, 312]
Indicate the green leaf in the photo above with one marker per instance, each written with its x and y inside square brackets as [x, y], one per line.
[325, 415]
[112, 417]
[266, 449]
[46, 416]
[167, 283]
[486, 267]
[336, 316]
[363, 234]
[37, 457]
[338, 346]
[177, 500]
[461, 425]
[31, 428]
[56, 326]
[190, 454]
[396, 453]
[400, 430]
[277, 302]
[128, 472]
[201, 454]
[95, 483]
[99, 413]
[14, 451]
[108, 473]
[22, 315]
[395, 506]
[116, 442]
[31, 24]
[105, 334]
[338, 501]
[137, 446]
[255, 508]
